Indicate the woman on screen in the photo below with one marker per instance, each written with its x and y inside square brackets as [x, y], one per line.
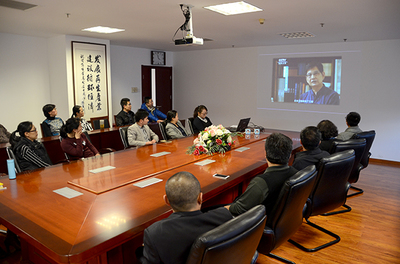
[200, 119]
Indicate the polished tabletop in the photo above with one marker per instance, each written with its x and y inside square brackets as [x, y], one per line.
[110, 209]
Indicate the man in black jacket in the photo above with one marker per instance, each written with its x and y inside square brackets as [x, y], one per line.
[125, 116]
[310, 138]
[265, 188]
[170, 240]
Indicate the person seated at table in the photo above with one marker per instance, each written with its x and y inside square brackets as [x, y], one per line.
[30, 153]
[200, 119]
[77, 112]
[52, 124]
[140, 134]
[310, 138]
[170, 240]
[174, 128]
[352, 121]
[329, 133]
[4, 134]
[265, 188]
[155, 115]
[74, 142]
[125, 117]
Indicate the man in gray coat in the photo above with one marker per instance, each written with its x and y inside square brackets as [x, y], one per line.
[140, 134]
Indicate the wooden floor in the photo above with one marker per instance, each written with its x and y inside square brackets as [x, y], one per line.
[370, 233]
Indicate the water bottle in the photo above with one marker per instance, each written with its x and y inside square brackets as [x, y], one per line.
[11, 169]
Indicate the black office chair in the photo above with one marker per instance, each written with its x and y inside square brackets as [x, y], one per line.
[163, 130]
[329, 192]
[11, 155]
[232, 242]
[287, 215]
[369, 137]
[155, 127]
[190, 123]
[359, 146]
[123, 133]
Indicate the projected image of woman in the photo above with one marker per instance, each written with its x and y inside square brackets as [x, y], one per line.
[319, 93]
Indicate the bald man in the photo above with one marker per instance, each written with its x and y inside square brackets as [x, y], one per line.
[170, 240]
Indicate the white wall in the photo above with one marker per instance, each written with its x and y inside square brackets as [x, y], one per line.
[35, 71]
[227, 82]
[126, 68]
[24, 80]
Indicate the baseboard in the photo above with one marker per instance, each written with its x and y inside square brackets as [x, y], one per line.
[385, 162]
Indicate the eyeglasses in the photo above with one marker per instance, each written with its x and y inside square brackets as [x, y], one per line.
[33, 130]
[315, 74]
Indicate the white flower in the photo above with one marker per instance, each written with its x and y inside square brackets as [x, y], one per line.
[205, 135]
[220, 132]
[229, 139]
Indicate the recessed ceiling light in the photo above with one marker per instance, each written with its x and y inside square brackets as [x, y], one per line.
[101, 29]
[297, 35]
[234, 8]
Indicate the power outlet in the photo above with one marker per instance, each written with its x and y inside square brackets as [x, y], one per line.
[135, 90]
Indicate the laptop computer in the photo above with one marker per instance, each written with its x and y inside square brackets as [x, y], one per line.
[243, 123]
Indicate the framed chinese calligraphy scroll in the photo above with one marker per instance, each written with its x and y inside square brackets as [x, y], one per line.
[89, 64]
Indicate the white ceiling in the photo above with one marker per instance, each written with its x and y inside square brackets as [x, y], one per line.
[151, 24]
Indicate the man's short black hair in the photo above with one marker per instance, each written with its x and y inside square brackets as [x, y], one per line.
[141, 114]
[124, 101]
[310, 137]
[313, 64]
[147, 99]
[182, 190]
[328, 129]
[353, 118]
[48, 108]
[278, 148]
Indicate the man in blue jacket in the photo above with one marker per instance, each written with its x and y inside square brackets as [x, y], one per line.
[155, 115]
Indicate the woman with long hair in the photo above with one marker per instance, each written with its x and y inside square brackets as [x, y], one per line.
[75, 143]
[30, 153]
[200, 119]
[174, 128]
[77, 112]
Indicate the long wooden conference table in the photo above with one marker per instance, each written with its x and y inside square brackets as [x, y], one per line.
[104, 223]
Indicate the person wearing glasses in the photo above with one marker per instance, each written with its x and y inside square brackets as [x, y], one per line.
[200, 119]
[30, 153]
[52, 124]
[77, 112]
[125, 116]
[319, 93]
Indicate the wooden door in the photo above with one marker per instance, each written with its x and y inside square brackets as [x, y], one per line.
[163, 84]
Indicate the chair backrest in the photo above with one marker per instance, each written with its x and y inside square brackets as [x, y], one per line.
[65, 154]
[232, 242]
[359, 147]
[331, 186]
[96, 122]
[287, 215]
[123, 133]
[163, 130]
[369, 137]
[190, 123]
[115, 121]
[183, 122]
[156, 129]
[11, 155]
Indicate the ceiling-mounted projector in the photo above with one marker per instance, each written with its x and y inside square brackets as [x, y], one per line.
[187, 27]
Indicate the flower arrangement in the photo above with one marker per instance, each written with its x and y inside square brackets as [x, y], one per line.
[214, 139]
